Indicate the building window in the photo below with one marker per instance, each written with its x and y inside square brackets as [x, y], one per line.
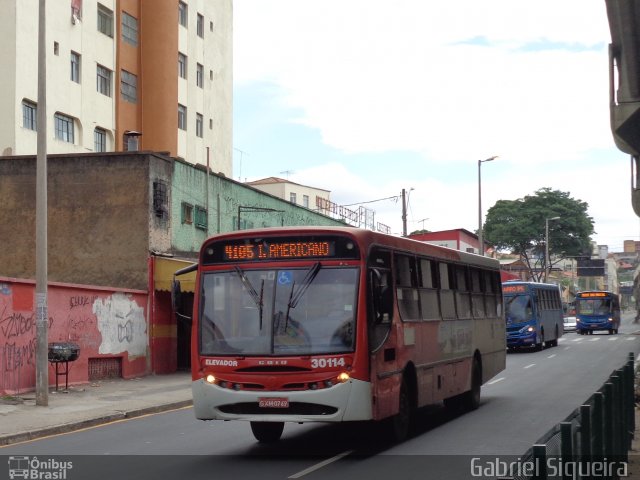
[201, 218]
[200, 75]
[103, 80]
[129, 86]
[200, 26]
[29, 112]
[183, 14]
[182, 65]
[199, 124]
[64, 128]
[182, 117]
[211, 124]
[305, 201]
[160, 199]
[211, 26]
[105, 20]
[129, 29]
[187, 213]
[292, 197]
[99, 140]
[56, 48]
[75, 67]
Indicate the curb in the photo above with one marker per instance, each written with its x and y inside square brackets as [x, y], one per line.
[92, 422]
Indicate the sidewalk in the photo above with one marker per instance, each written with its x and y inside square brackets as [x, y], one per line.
[91, 404]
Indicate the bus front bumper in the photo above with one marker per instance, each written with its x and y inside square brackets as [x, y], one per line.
[350, 401]
[521, 340]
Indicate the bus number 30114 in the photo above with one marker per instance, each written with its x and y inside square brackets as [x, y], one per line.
[327, 362]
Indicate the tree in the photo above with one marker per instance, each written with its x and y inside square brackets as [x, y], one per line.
[519, 226]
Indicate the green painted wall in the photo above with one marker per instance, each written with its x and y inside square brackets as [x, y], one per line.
[225, 196]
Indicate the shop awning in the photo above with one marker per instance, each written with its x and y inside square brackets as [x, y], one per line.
[164, 271]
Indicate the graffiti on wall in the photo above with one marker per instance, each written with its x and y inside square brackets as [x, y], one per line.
[121, 322]
[99, 322]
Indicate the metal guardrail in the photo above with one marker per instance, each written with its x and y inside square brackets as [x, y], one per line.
[593, 441]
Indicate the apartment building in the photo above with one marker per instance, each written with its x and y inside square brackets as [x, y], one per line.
[121, 75]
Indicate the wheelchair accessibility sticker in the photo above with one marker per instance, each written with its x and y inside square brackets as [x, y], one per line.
[285, 277]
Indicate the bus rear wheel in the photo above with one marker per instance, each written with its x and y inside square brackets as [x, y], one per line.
[469, 400]
[267, 432]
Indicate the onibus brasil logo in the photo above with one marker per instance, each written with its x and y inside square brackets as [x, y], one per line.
[36, 469]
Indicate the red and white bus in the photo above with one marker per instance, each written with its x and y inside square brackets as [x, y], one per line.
[337, 324]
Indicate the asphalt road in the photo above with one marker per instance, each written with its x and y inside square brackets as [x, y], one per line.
[536, 391]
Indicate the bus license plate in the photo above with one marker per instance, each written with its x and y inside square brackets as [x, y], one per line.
[273, 402]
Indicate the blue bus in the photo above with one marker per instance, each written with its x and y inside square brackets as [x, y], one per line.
[533, 314]
[597, 310]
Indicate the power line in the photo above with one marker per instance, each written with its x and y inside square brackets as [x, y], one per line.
[372, 201]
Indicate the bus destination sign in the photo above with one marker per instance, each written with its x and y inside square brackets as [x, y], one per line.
[278, 251]
[514, 288]
[592, 294]
[283, 248]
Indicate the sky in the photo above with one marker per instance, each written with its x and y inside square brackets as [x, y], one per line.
[365, 98]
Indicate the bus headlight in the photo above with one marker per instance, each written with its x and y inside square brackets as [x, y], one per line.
[210, 379]
[610, 319]
[343, 377]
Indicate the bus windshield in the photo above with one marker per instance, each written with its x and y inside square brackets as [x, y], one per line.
[594, 306]
[518, 308]
[279, 311]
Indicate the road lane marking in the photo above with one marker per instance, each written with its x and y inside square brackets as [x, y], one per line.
[495, 381]
[551, 356]
[577, 340]
[593, 339]
[530, 365]
[318, 466]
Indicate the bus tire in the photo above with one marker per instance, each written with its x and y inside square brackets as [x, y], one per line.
[401, 422]
[471, 400]
[540, 345]
[267, 432]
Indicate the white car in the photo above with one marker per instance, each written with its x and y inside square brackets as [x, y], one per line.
[570, 323]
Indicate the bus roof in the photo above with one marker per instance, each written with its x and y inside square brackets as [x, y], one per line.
[533, 284]
[364, 237]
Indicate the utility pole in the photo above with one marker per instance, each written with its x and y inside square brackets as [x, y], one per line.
[404, 213]
[42, 314]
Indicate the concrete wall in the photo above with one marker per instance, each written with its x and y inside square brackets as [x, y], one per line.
[98, 219]
[109, 325]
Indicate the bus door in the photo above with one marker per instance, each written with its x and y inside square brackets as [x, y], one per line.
[382, 337]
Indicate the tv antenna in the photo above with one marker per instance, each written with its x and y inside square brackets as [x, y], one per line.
[287, 173]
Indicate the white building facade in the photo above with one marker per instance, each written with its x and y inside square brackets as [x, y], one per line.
[113, 75]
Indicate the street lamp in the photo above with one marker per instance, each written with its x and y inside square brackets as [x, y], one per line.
[480, 239]
[547, 260]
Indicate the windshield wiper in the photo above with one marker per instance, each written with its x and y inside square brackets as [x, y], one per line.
[294, 298]
[257, 298]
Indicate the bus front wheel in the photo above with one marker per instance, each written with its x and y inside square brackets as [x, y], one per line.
[267, 432]
[401, 422]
